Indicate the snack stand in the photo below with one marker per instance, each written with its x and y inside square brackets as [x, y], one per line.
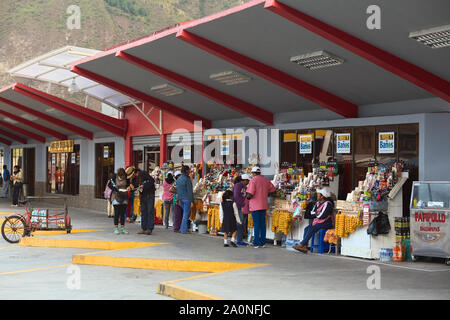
[381, 191]
[430, 210]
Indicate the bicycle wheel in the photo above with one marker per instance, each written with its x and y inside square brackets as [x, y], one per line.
[13, 228]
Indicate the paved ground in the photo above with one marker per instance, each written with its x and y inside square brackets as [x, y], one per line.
[274, 273]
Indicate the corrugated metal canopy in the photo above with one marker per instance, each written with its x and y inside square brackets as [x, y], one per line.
[53, 67]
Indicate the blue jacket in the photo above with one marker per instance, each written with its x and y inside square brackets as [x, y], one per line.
[6, 175]
[184, 188]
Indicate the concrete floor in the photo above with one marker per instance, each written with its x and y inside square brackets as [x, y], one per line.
[46, 273]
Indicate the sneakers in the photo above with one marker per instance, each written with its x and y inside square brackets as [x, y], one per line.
[233, 244]
[123, 231]
[116, 231]
[141, 232]
[226, 245]
[148, 232]
[242, 244]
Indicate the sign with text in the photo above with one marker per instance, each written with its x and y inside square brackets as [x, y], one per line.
[61, 146]
[386, 142]
[187, 152]
[305, 141]
[224, 147]
[343, 143]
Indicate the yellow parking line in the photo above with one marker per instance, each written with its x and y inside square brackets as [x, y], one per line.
[85, 244]
[35, 269]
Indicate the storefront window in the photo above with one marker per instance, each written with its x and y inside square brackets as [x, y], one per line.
[2, 159]
[16, 158]
[63, 171]
[138, 159]
[104, 167]
[364, 146]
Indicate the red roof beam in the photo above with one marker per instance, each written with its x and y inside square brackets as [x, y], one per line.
[77, 114]
[4, 141]
[233, 103]
[68, 126]
[282, 79]
[29, 123]
[402, 68]
[143, 97]
[23, 132]
[119, 123]
[13, 136]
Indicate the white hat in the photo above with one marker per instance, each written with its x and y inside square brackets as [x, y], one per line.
[256, 169]
[325, 192]
[177, 173]
[245, 177]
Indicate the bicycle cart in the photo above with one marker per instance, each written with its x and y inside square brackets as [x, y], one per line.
[41, 213]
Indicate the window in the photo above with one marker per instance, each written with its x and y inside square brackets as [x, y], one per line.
[63, 172]
[104, 166]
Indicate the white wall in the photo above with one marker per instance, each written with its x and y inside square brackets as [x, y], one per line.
[434, 148]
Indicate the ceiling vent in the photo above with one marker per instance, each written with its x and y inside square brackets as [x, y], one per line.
[434, 38]
[230, 78]
[167, 90]
[317, 60]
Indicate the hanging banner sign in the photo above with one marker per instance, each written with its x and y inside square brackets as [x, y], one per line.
[187, 152]
[74, 159]
[305, 141]
[386, 142]
[61, 146]
[343, 143]
[224, 147]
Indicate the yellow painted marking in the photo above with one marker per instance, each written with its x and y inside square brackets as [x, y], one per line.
[84, 244]
[35, 269]
[167, 288]
[58, 232]
[177, 292]
[160, 264]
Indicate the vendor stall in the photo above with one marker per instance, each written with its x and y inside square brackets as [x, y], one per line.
[365, 221]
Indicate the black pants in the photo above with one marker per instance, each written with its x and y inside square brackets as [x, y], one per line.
[120, 213]
[16, 191]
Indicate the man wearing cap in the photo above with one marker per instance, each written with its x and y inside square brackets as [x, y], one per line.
[258, 191]
[238, 195]
[146, 183]
[322, 213]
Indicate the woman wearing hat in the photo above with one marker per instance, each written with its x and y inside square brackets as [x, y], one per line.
[322, 213]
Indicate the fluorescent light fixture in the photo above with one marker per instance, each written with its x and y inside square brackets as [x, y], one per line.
[317, 60]
[9, 120]
[167, 90]
[230, 78]
[434, 38]
[29, 117]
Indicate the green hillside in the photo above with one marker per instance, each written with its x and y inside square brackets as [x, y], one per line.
[29, 28]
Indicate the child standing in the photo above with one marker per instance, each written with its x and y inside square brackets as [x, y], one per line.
[229, 217]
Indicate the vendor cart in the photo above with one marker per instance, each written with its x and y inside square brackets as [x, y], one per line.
[41, 213]
[429, 214]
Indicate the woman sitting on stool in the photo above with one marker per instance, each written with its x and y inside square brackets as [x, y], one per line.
[322, 212]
